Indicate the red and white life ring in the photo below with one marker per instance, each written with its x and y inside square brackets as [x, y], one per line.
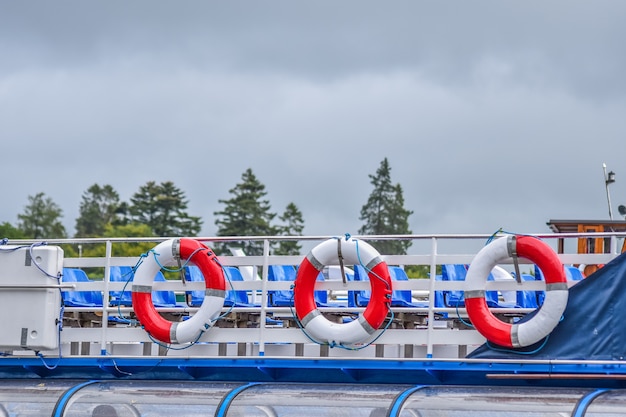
[352, 251]
[168, 252]
[549, 314]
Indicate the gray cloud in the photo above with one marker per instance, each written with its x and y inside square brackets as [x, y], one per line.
[491, 114]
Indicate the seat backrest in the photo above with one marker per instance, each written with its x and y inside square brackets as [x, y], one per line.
[193, 274]
[453, 272]
[455, 298]
[281, 298]
[439, 298]
[399, 297]
[541, 295]
[362, 297]
[121, 274]
[124, 298]
[573, 273]
[334, 273]
[79, 298]
[163, 298]
[527, 299]
[234, 297]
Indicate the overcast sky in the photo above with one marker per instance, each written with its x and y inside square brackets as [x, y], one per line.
[491, 114]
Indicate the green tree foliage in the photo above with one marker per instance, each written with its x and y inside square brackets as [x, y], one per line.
[163, 208]
[384, 212]
[7, 230]
[292, 225]
[41, 219]
[246, 213]
[98, 209]
[122, 249]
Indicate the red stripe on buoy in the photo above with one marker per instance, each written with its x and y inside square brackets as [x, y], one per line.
[540, 253]
[380, 300]
[151, 320]
[487, 324]
[304, 296]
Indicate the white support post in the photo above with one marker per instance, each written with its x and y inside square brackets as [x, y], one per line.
[105, 298]
[431, 298]
[263, 315]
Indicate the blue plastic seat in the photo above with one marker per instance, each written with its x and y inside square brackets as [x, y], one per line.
[79, 298]
[121, 274]
[402, 298]
[284, 298]
[455, 298]
[233, 298]
[399, 298]
[453, 272]
[360, 298]
[236, 298]
[573, 273]
[281, 298]
[527, 298]
[334, 273]
[124, 298]
[193, 274]
[439, 297]
[163, 298]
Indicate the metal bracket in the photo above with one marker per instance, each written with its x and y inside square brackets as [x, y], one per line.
[512, 243]
[340, 257]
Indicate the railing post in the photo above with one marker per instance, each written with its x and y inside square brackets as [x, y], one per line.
[105, 298]
[263, 315]
[614, 249]
[431, 297]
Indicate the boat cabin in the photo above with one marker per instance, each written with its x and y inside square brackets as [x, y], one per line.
[590, 244]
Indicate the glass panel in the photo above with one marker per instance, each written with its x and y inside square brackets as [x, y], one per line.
[314, 400]
[147, 398]
[491, 402]
[31, 397]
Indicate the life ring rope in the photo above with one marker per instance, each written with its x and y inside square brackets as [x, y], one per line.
[331, 344]
[351, 335]
[207, 292]
[167, 253]
[371, 273]
[183, 265]
[547, 316]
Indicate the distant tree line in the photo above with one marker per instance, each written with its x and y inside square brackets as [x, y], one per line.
[160, 210]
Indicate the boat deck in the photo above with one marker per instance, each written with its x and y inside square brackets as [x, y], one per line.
[257, 343]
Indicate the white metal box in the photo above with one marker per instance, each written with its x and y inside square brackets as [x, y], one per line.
[30, 297]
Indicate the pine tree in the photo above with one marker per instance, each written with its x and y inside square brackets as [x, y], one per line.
[163, 207]
[293, 225]
[246, 213]
[98, 208]
[41, 219]
[384, 212]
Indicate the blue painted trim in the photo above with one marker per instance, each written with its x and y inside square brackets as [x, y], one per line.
[59, 407]
[326, 370]
[584, 402]
[398, 402]
[228, 399]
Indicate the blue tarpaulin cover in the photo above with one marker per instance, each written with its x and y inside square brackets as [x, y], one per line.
[593, 326]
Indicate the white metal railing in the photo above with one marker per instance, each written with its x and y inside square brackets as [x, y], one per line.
[415, 332]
